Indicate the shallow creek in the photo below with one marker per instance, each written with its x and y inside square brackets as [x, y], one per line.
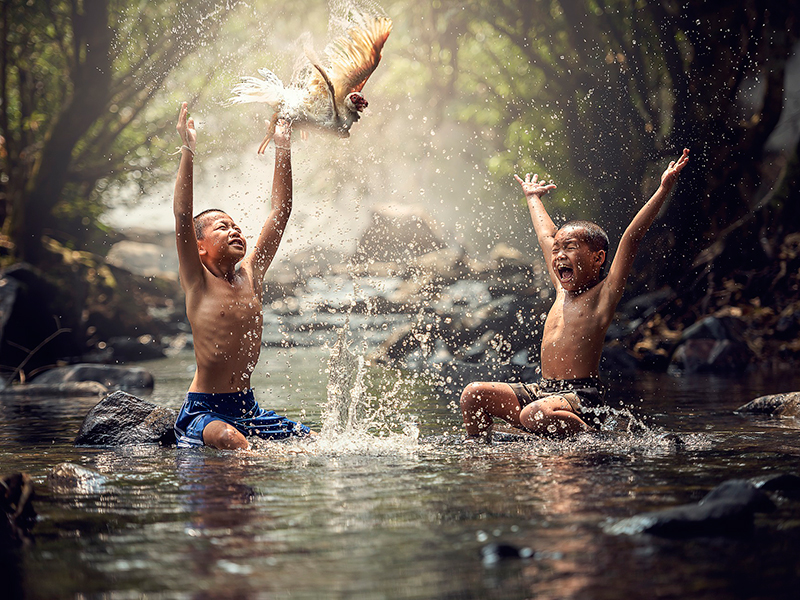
[402, 512]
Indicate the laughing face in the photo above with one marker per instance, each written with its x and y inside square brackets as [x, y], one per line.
[576, 266]
[222, 238]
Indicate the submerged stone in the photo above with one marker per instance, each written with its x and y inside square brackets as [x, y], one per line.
[728, 509]
[71, 389]
[69, 477]
[494, 553]
[121, 419]
[778, 405]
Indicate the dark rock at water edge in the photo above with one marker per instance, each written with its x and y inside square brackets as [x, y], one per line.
[713, 345]
[112, 377]
[32, 311]
[728, 509]
[19, 516]
[784, 484]
[121, 419]
[777, 405]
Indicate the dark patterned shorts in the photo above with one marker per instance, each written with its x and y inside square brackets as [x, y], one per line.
[581, 394]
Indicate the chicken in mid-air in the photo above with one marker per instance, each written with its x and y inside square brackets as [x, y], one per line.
[321, 96]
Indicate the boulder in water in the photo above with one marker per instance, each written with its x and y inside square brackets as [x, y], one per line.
[70, 389]
[785, 484]
[121, 419]
[777, 405]
[69, 477]
[113, 377]
[728, 509]
[713, 345]
[398, 233]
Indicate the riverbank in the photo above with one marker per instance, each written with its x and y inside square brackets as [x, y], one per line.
[429, 307]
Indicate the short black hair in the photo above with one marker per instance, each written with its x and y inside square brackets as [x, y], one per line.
[593, 235]
[200, 220]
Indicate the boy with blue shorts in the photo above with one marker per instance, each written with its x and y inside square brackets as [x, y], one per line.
[223, 286]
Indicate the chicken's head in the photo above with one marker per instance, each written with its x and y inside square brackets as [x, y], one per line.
[356, 102]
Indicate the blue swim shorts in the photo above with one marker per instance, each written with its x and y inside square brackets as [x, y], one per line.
[238, 409]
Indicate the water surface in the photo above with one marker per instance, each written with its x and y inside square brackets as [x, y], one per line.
[402, 516]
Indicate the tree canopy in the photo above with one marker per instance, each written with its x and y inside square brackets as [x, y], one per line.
[75, 78]
[602, 92]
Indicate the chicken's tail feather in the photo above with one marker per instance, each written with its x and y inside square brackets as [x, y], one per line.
[268, 90]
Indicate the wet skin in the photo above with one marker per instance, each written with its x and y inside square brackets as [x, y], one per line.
[226, 319]
[223, 284]
[575, 328]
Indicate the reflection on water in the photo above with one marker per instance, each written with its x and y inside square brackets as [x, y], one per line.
[375, 509]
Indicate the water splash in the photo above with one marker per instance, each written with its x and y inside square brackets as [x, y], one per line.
[354, 421]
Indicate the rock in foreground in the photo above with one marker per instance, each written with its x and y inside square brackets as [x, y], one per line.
[728, 509]
[777, 405]
[72, 478]
[121, 419]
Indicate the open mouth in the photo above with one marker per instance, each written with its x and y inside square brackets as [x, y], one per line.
[237, 243]
[565, 273]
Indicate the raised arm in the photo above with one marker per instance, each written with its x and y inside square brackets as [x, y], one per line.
[272, 232]
[629, 243]
[191, 269]
[542, 223]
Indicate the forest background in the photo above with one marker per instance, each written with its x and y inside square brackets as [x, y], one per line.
[598, 95]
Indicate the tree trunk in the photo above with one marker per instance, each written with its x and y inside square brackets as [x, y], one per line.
[91, 77]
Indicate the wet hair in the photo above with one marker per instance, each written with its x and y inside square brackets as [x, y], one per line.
[200, 220]
[593, 235]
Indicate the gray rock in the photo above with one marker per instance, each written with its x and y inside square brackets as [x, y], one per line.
[70, 478]
[707, 355]
[398, 233]
[121, 419]
[144, 259]
[71, 389]
[644, 305]
[113, 377]
[785, 484]
[777, 405]
[127, 349]
[727, 510]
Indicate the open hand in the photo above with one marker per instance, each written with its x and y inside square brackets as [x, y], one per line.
[532, 186]
[670, 176]
[186, 128]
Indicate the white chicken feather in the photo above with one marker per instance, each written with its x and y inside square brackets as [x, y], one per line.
[322, 96]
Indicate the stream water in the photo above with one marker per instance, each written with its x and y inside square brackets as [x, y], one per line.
[389, 504]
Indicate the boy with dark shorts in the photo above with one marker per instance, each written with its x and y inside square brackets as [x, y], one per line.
[575, 328]
[224, 287]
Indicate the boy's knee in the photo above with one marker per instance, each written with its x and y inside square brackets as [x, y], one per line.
[536, 416]
[224, 437]
[471, 393]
